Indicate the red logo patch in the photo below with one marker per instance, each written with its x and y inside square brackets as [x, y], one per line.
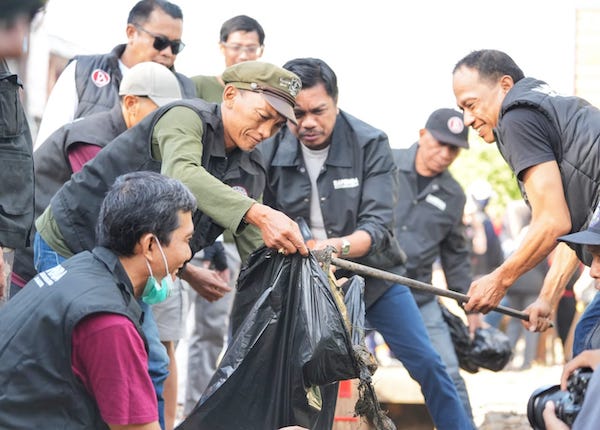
[100, 78]
[456, 125]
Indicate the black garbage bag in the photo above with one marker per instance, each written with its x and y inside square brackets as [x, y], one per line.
[461, 340]
[290, 346]
[489, 349]
[354, 289]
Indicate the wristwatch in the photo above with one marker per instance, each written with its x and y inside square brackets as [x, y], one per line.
[345, 248]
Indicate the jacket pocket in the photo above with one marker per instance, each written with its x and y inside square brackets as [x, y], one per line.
[16, 179]
[12, 117]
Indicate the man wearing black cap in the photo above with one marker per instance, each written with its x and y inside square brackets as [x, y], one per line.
[208, 148]
[337, 173]
[429, 225]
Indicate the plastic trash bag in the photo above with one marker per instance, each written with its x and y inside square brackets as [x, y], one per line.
[290, 346]
[489, 349]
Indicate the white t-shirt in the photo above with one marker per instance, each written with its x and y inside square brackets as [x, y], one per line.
[314, 159]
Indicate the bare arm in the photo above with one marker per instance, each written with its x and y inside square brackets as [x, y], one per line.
[563, 267]
[360, 243]
[550, 219]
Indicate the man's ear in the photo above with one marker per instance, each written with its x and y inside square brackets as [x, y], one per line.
[229, 94]
[130, 31]
[506, 83]
[146, 245]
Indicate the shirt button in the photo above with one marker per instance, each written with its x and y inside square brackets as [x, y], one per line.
[323, 199]
[302, 169]
[306, 200]
[404, 228]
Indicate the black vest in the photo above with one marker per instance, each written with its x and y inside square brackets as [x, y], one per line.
[16, 164]
[578, 156]
[37, 386]
[97, 78]
[52, 167]
[76, 205]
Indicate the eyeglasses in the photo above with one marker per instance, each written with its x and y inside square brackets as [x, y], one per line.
[161, 42]
[238, 49]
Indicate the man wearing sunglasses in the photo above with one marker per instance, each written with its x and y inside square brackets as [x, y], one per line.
[90, 83]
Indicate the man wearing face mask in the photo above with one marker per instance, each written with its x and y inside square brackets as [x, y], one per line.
[90, 83]
[72, 350]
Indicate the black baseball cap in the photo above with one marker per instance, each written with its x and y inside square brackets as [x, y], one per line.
[447, 126]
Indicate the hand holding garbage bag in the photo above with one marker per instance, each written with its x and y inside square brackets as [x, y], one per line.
[290, 346]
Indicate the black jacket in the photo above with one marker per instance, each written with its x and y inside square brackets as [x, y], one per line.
[76, 205]
[53, 169]
[358, 186]
[16, 164]
[97, 79]
[38, 389]
[429, 226]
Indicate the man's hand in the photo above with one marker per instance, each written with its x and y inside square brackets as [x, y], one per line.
[485, 293]
[210, 284]
[551, 420]
[588, 358]
[539, 315]
[278, 230]
[475, 321]
[564, 264]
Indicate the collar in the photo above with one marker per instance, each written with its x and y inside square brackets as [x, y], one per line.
[112, 263]
[289, 152]
[406, 163]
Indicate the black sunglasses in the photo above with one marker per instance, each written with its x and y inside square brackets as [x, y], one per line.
[161, 42]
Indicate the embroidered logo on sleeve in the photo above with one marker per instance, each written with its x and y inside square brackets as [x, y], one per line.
[50, 276]
[436, 201]
[345, 183]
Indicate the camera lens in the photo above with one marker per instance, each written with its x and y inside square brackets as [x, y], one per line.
[537, 403]
[567, 404]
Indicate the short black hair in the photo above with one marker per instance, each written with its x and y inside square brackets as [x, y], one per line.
[140, 203]
[242, 23]
[11, 9]
[142, 10]
[313, 71]
[491, 65]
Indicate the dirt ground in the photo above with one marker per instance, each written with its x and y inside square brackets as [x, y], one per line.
[499, 399]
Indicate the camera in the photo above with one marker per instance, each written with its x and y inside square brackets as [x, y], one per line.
[567, 403]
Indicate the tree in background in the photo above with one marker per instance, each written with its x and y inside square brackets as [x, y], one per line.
[483, 161]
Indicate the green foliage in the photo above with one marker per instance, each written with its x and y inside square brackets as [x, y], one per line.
[483, 161]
